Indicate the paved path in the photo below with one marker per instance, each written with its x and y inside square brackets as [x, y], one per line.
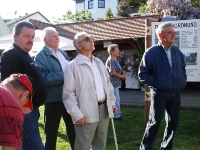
[190, 98]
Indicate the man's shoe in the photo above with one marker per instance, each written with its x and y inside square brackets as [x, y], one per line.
[119, 118]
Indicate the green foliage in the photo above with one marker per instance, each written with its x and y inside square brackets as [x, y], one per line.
[130, 131]
[143, 8]
[109, 15]
[196, 3]
[139, 52]
[68, 16]
[78, 16]
[83, 15]
[56, 21]
[132, 4]
[123, 10]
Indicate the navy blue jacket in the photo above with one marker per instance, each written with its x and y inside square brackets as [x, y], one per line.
[155, 71]
[52, 73]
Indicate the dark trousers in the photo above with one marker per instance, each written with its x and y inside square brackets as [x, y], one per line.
[159, 105]
[123, 87]
[52, 116]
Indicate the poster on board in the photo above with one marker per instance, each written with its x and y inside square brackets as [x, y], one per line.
[131, 81]
[187, 39]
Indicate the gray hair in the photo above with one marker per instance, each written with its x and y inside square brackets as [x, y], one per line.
[77, 38]
[161, 28]
[111, 48]
[46, 30]
[122, 52]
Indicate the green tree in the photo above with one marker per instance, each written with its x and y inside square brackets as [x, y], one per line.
[139, 52]
[109, 14]
[143, 8]
[196, 3]
[78, 16]
[123, 10]
[55, 21]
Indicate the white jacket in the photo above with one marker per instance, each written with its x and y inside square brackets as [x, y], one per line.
[79, 91]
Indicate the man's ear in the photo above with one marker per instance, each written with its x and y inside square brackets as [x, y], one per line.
[78, 46]
[14, 36]
[160, 35]
[24, 96]
[44, 39]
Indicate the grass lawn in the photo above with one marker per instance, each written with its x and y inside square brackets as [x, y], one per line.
[130, 131]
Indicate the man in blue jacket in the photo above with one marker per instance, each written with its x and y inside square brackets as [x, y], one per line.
[52, 62]
[163, 69]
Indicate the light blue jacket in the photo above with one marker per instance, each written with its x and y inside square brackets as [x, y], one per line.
[52, 73]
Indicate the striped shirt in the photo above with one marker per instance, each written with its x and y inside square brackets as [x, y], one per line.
[60, 57]
[97, 77]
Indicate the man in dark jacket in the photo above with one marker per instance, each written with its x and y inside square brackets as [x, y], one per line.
[123, 64]
[17, 60]
[163, 69]
[52, 62]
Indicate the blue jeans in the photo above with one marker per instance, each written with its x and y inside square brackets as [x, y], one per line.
[117, 103]
[160, 105]
[31, 135]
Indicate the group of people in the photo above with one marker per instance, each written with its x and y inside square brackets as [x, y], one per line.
[127, 65]
[78, 91]
[83, 91]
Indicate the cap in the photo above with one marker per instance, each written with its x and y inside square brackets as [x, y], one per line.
[29, 84]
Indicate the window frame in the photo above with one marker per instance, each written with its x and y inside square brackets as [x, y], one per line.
[100, 3]
[90, 1]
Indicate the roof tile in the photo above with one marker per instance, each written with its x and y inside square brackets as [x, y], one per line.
[120, 28]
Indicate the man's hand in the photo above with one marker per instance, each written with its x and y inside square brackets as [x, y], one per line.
[9, 148]
[81, 121]
[123, 76]
[26, 110]
[114, 109]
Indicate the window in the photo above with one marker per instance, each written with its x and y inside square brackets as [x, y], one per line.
[101, 3]
[90, 4]
[79, 1]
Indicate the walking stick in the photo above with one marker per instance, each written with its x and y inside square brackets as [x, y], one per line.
[115, 137]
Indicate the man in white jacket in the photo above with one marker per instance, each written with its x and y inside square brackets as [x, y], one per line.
[88, 95]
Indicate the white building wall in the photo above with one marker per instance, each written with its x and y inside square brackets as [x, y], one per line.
[80, 6]
[4, 30]
[98, 12]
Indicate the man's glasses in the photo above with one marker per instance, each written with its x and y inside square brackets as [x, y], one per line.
[87, 39]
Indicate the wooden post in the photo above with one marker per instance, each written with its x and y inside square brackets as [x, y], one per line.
[147, 89]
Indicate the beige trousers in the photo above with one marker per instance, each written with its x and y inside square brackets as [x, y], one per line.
[93, 134]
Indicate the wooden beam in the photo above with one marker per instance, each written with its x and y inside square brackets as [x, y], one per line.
[147, 89]
[133, 45]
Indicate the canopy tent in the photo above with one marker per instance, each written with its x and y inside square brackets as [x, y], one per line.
[65, 44]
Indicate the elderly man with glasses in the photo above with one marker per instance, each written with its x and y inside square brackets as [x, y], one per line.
[88, 95]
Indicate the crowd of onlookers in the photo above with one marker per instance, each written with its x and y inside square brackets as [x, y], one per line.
[82, 90]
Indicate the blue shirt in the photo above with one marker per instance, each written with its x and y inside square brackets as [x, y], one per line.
[169, 55]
